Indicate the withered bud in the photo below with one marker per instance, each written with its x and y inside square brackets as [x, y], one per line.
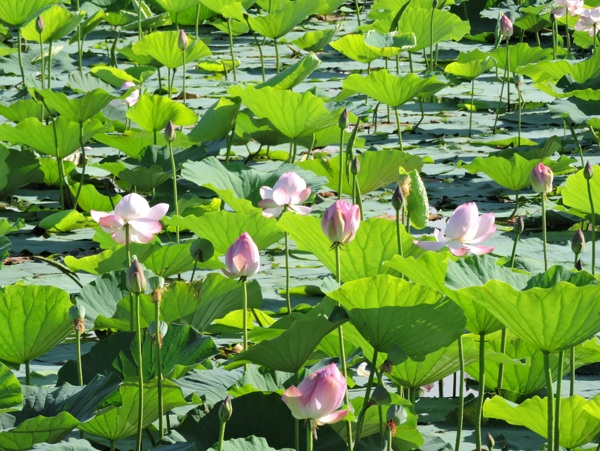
[77, 315]
[490, 442]
[157, 284]
[386, 366]
[519, 225]
[163, 328]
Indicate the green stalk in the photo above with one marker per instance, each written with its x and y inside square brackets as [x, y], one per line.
[83, 163]
[309, 435]
[544, 231]
[341, 177]
[548, 375]
[359, 198]
[262, 59]
[79, 366]
[398, 237]
[277, 67]
[79, 44]
[554, 38]
[514, 253]
[502, 351]
[197, 19]
[361, 416]
[49, 65]
[245, 318]
[520, 106]
[567, 31]
[27, 374]
[61, 172]
[461, 393]
[389, 440]
[591, 198]
[221, 435]
[577, 143]
[296, 420]
[175, 196]
[561, 356]
[338, 275]
[231, 48]
[184, 63]
[507, 76]
[20, 55]
[481, 398]
[399, 129]
[112, 445]
[42, 60]
[287, 273]
[572, 372]
[159, 375]
[499, 101]
[131, 300]
[431, 43]
[140, 372]
[471, 109]
[357, 12]
[139, 21]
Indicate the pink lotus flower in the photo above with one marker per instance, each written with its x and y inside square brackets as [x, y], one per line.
[289, 191]
[464, 229]
[318, 396]
[589, 21]
[340, 222]
[242, 258]
[132, 98]
[573, 7]
[133, 210]
[505, 27]
[541, 178]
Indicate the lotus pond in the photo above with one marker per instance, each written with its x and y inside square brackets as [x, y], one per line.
[310, 224]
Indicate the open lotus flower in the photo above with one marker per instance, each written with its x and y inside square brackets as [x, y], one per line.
[340, 222]
[132, 98]
[589, 21]
[242, 258]
[135, 211]
[573, 7]
[464, 230]
[318, 396]
[289, 191]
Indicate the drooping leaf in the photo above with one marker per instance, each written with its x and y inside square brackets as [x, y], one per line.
[10, 390]
[293, 75]
[162, 46]
[575, 193]
[78, 109]
[153, 112]
[217, 121]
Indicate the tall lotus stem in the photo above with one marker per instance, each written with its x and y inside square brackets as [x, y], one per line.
[231, 48]
[472, 107]
[518, 229]
[555, 36]
[366, 405]
[79, 43]
[77, 314]
[572, 372]
[245, 318]
[507, 74]
[568, 34]
[287, 273]
[518, 83]
[461, 393]
[20, 56]
[39, 25]
[398, 203]
[182, 43]
[27, 373]
[49, 65]
[501, 365]
[277, 65]
[544, 237]
[309, 434]
[356, 196]
[399, 131]
[481, 398]
[431, 56]
[548, 376]
[157, 335]
[588, 173]
[342, 123]
[357, 7]
[561, 356]
[131, 300]
[83, 164]
[170, 137]
[59, 162]
[139, 20]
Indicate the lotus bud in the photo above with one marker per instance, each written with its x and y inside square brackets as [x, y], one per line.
[156, 284]
[242, 258]
[397, 199]
[518, 81]
[225, 410]
[505, 26]
[386, 366]
[579, 265]
[343, 121]
[490, 442]
[519, 226]
[355, 167]
[435, 4]
[77, 315]
[39, 25]
[182, 40]
[340, 222]
[157, 336]
[170, 134]
[202, 250]
[578, 242]
[588, 171]
[541, 178]
[136, 280]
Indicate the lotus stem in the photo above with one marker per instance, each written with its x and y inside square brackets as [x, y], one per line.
[296, 420]
[398, 237]
[502, 351]
[222, 426]
[481, 398]
[561, 356]
[20, 55]
[79, 43]
[507, 75]
[245, 318]
[112, 445]
[231, 48]
[399, 129]
[375, 117]
[572, 372]
[159, 376]
[431, 43]
[555, 37]
[472, 106]
[499, 103]
[262, 59]
[361, 416]
[338, 275]
[357, 12]
[341, 177]
[287, 272]
[197, 23]
[131, 300]
[591, 198]
[520, 108]
[577, 143]
[183, 78]
[512, 265]
[27, 373]
[461, 393]
[42, 57]
[568, 34]
[544, 238]
[49, 65]
[358, 197]
[139, 21]
[113, 49]
[175, 196]
[79, 366]
[548, 375]
[140, 372]
[83, 163]
[309, 434]
[59, 162]
[277, 63]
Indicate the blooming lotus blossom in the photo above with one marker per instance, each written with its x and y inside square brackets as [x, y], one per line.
[289, 191]
[340, 222]
[541, 178]
[242, 258]
[464, 230]
[133, 210]
[589, 21]
[573, 7]
[318, 396]
[132, 98]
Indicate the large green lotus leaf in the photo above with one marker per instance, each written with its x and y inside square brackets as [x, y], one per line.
[558, 273]
[552, 71]
[375, 242]
[218, 5]
[575, 193]
[469, 70]
[133, 143]
[217, 122]
[63, 221]
[37, 430]
[391, 89]
[577, 425]
[446, 26]
[354, 47]
[4, 50]
[116, 77]
[33, 320]
[429, 269]
[293, 75]
[10, 390]
[121, 422]
[476, 270]
[328, 6]
[314, 41]
[153, 112]
[162, 46]
[58, 21]
[394, 313]
[248, 127]
[17, 168]
[378, 169]
[436, 365]
[222, 228]
[279, 23]
[293, 114]
[521, 55]
[79, 109]
[49, 166]
[21, 109]
[88, 25]
[16, 12]
[34, 133]
[512, 173]
[91, 199]
[177, 6]
[392, 40]
[101, 295]
[551, 319]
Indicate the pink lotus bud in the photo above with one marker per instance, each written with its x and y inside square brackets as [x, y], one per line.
[505, 27]
[541, 178]
[170, 134]
[318, 396]
[340, 222]
[242, 258]
[136, 280]
[182, 40]
[39, 25]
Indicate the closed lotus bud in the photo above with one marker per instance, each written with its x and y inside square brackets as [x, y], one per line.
[242, 258]
[343, 121]
[519, 225]
[340, 222]
[541, 178]
[156, 284]
[397, 199]
[578, 242]
[77, 315]
[588, 171]
[505, 27]
[158, 335]
[202, 250]
[39, 25]
[170, 134]
[435, 4]
[518, 81]
[355, 167]
[182, 40]
[136, 280]
[225, 410]
[490, 442]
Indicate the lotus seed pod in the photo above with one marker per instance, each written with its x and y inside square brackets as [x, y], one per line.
[182, 40]
[136, 280]
[77, 315]
[395, 416]
[170, 134]
[343, 121]
[578, 242]
[202, 250]
[156, 284]
[39, 25]
[225, 409]
[519, 225]
[163, 328]
[588, 171]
